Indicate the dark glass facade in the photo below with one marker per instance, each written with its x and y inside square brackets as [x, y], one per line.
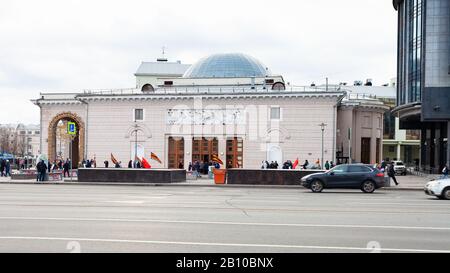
[423, 78]
[410, 51]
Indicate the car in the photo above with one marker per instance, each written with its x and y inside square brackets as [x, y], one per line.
[399, 167]
[346, 176]
[439, 188]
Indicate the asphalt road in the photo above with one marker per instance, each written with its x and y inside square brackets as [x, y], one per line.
[74, 218]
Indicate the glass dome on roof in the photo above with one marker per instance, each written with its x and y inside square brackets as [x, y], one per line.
[227, 65]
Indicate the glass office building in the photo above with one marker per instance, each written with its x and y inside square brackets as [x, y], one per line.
[423, 75]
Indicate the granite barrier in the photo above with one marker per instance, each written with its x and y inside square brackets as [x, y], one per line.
[125, 175]
[267, 176]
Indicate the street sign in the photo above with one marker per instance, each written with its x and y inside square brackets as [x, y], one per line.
[71, 128]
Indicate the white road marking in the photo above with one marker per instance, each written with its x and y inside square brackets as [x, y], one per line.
[225, 223]
[346, 248]
[400, 204]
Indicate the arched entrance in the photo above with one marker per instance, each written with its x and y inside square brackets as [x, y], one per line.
[78, 141]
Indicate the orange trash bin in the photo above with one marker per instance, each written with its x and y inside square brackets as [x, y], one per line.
[219, 176]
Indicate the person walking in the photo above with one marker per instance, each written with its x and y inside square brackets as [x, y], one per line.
[130, 164]
[391, 173]
[190, 166]
[2, 167]
[445, 172]
[106, 162]
[305, 165]
[7, 168]
[42, 169]
[66, 169]
[327, 165]
[38, 171]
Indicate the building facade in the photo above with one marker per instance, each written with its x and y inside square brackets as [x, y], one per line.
[423, 76]
[225, 105]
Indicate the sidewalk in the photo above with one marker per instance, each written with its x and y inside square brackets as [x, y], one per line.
[409, 182]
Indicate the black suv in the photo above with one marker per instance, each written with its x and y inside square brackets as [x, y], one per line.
[347, 176]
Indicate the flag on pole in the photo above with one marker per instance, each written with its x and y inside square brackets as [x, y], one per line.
[155, 157]
[295, 164]
[113, 159]
[216, 159]
[145, 163]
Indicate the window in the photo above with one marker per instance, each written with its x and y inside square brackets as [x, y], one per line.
[37, 132]
[275, 113]
[138, 114]
[168, 82]
[269, 81]
[359, 169]
[339, 169]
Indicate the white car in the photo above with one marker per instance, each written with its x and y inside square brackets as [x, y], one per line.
[439, 188]
[399, 167]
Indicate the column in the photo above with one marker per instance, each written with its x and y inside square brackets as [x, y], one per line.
[223, 150]
[399, 151]
[448, 144]
[187, 151]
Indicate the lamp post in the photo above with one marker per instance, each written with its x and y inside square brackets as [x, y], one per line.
[135, 131]
[322, 127]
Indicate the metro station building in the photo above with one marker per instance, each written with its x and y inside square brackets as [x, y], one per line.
[229, 105]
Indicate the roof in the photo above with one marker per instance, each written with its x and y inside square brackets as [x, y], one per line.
[162, 68]
[380, 92]
[227, 65]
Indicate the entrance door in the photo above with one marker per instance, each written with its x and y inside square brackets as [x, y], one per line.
[365, 150]
[176, 152]
[203, 149]
[274, 153]
[235, 150]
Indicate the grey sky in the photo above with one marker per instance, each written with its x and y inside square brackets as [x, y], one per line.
[50, 45]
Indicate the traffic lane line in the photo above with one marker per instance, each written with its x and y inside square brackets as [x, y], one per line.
[342, 210]
[275, 246]
[228, 223]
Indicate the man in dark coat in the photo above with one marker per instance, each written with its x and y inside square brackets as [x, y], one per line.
[66, 169]
[391, 173]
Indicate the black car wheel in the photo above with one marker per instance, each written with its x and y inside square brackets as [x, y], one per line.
[446, 193]
[316, 186]
[368, 186]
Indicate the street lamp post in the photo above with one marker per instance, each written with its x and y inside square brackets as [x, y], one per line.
[322, 127]
[135, 131]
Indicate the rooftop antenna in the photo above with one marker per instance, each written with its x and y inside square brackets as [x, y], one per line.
[163, 58]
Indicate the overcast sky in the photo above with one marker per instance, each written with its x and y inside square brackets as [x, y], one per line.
[66, 46]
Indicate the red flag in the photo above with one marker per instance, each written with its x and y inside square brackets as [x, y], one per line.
[145, 163]
[295, 164]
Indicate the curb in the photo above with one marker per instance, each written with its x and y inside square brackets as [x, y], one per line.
[75, 183]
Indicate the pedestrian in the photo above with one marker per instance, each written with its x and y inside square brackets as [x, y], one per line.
[190, 166]
[106, 162]
[391, 173]
[331, 165]
[66, 169]
[130, 164]
[263, 164]
[327, 165]
[180, 165]
[383, 166]
[38, 171]
[7, 168]
[2, 167]
[306, 164]
[118, 164]
[42, 171]
[445, 172]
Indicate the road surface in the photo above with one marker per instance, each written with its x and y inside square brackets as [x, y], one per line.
[75, 218]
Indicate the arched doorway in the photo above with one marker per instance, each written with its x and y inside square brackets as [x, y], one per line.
[77, 147]
[274, 153]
